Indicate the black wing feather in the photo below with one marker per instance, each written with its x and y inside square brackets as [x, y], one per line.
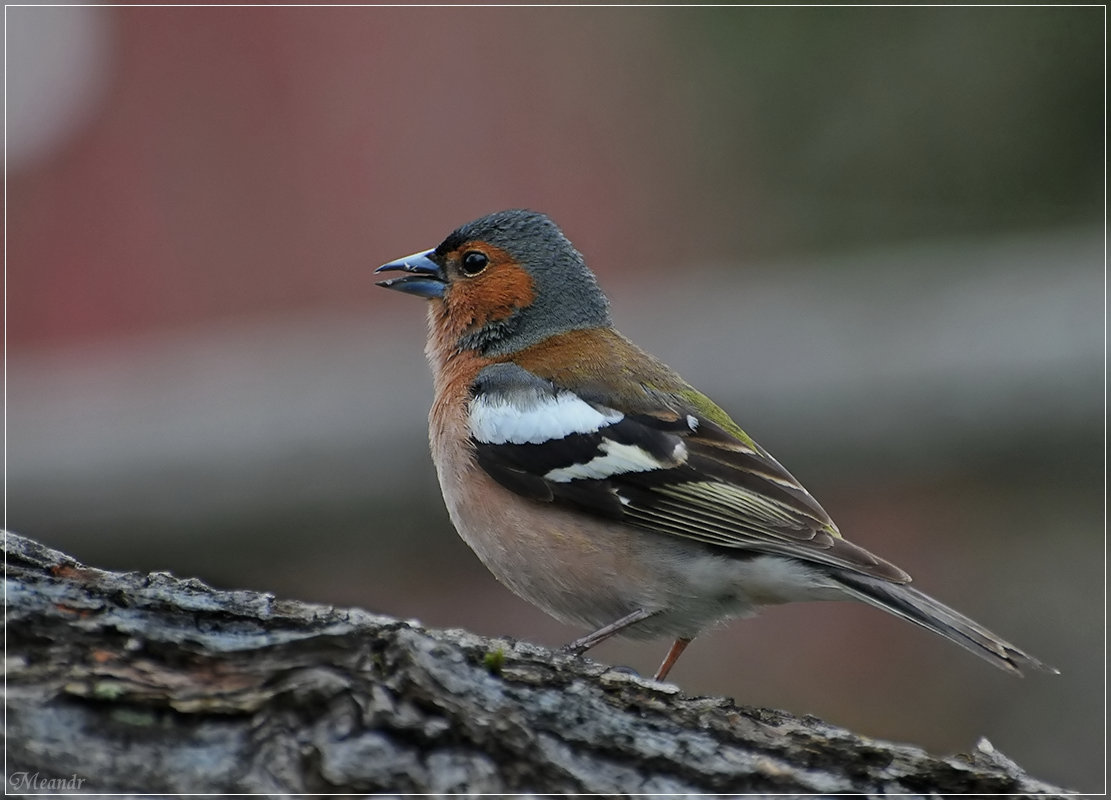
[701, 483]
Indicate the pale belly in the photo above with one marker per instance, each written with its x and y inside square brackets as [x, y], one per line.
[590, 572]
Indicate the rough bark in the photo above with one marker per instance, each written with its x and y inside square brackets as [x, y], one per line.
[130, 682]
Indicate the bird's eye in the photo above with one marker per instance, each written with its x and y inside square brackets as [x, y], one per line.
[474, 262]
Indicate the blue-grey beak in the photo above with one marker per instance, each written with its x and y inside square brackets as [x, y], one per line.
[423, 276]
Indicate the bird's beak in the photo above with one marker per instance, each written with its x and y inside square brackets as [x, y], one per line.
[423, 276]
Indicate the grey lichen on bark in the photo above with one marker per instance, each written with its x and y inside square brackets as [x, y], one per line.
[135, 682]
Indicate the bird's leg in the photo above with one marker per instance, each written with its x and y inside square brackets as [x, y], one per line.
[671, 657]
[580, 646]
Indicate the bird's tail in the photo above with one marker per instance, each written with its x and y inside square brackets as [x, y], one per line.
[921, 609]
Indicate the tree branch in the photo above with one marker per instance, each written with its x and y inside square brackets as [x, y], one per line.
[127, 682]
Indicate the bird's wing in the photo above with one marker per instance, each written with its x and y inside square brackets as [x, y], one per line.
[668, 465]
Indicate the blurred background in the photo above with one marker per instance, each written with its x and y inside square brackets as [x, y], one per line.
[875, 235]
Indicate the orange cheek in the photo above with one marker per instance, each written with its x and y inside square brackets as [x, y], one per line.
[494, 295]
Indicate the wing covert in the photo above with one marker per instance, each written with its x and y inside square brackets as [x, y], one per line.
[674, 472]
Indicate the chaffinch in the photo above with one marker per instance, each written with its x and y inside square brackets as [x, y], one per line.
[596, 483]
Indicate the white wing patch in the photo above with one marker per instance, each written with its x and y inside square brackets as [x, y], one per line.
[616, 459]
[532, 418]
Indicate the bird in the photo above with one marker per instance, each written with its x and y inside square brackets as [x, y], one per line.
[596, 483]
